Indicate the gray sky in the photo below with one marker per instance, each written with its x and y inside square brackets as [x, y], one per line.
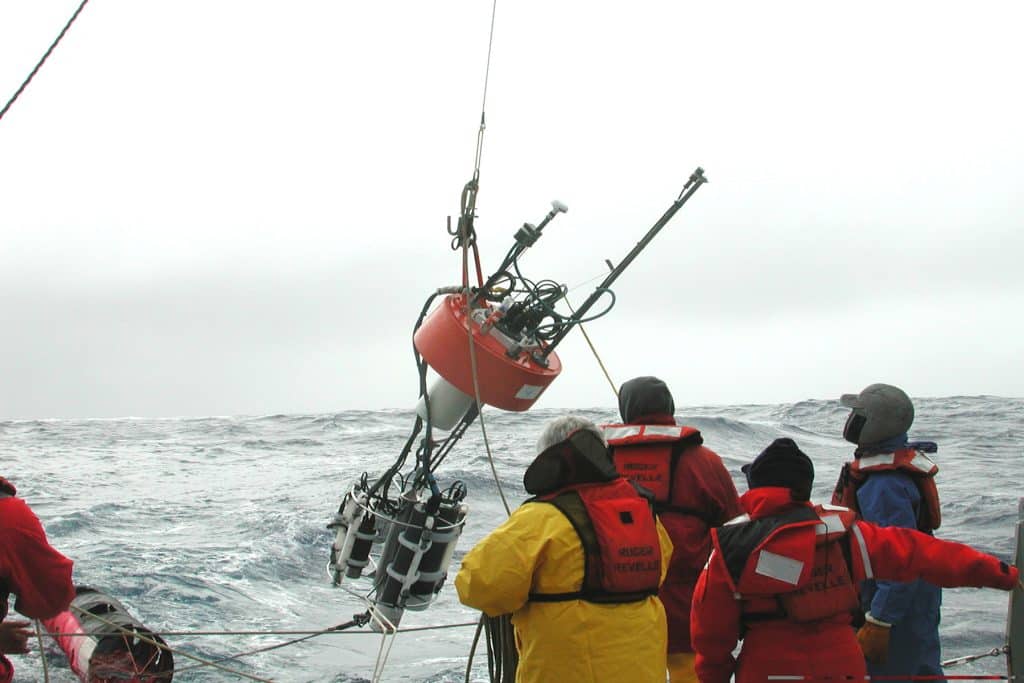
[239, 207]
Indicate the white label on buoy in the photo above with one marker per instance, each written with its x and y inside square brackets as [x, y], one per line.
[528, 392]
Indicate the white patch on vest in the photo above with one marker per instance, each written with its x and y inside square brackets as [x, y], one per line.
[779, 567]
[880, 459]
[529, 391]
[830, 524]
[660, 430]
[921, 463]
[620, 432]
[738, 520]
[865, 559]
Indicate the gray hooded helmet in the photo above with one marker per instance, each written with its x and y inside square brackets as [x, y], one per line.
[880, 412]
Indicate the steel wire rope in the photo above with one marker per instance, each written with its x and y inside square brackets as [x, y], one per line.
[164, 646]
[46, 56]
[273, 632]
[276, 646]
[468, 239]
[501, 644]
[994, 652]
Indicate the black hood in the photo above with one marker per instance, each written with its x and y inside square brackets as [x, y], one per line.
[580, 459]
[644, 396]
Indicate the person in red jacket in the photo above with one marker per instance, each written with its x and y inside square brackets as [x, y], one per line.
[784, 578]
[32, 570]
[693, 492]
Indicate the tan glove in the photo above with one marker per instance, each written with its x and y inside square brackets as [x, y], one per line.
[873, 637]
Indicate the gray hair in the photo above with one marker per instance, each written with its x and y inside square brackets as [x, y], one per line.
[560, 428]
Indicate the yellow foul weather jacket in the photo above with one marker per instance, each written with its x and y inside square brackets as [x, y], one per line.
[575, 641]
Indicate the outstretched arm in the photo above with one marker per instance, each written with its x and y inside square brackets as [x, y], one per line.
[906, 554]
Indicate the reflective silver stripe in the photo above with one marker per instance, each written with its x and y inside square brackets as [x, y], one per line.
[837, 508]
[830, 524]
[922, 463]
[87, 647]
[868, 574]
[620, 432]
[779, 567]
[738, 520]
[660, 430]
[881, 459]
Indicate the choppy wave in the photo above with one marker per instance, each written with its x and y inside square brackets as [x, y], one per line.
[219, 523]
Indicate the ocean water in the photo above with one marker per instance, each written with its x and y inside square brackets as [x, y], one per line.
[219, 523]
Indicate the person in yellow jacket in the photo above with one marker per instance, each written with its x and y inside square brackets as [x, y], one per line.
[578, 566]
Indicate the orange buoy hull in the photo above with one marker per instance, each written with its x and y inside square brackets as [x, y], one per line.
[508, 383]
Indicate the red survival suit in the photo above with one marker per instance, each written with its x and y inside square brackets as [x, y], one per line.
[785, 577]
[692, 491]
[30, 568]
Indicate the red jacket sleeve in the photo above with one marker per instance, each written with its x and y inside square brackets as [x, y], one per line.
[897, 554]
[35, 572]
[714, 624]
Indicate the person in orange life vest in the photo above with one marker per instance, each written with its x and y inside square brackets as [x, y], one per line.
[578, 566]
[784, 577]
[891, 482]
[693, 492]
[32, 570]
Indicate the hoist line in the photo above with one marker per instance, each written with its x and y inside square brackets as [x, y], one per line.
[483, 102]
[466, 228]
[276, 646]
[46, 56]
[273, 632]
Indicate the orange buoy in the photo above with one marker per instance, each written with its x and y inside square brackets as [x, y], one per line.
[509, 383]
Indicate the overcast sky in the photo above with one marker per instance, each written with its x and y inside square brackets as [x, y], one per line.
[229, 207]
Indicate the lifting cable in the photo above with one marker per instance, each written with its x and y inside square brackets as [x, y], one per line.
[38, 66]
[994, 652]
[118, 630]
[502, 657]
[501, 646]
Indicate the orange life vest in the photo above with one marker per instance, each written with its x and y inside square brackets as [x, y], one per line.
[793, 566]
[622, 552]
[908, 460]
[647, 454]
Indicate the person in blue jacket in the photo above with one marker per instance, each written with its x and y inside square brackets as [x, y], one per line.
[891, 482]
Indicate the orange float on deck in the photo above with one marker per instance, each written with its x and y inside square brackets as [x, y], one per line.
[507, 383]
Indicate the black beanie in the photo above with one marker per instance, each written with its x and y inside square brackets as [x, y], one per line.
[782, 464]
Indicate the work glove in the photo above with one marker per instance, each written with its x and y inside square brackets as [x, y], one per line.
[873, 637]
